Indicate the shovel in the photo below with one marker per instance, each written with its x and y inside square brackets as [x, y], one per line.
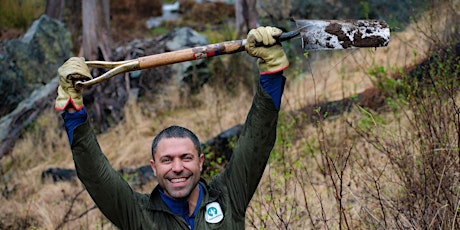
[314, 34]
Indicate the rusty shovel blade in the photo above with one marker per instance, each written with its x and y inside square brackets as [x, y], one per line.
[342, 34]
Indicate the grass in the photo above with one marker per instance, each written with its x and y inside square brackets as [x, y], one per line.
[20, 14]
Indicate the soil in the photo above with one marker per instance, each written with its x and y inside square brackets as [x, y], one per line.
[10, 33]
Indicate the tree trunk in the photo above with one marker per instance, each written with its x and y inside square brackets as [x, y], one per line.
[96, 30]
[54, 9]
[246, 16]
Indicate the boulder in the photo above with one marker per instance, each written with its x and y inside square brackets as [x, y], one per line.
[193, 74]
[31, 62]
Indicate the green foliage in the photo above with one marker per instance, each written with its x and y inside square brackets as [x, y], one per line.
[20, 14]
[130, 177]
[369, 120]
[378, 72]
[226, 32]
[214, 165]
[160, 30]
[365, 8]
[390, 86]
[215, 162]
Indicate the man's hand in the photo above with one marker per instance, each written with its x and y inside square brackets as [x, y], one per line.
[261, 43]
[71, 71]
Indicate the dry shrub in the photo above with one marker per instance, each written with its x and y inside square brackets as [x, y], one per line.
[372, 98]
[206, 13]
[136, 8]
[128, 18]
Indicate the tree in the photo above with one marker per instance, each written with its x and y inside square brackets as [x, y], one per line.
[54, 8]
[96, 30]
[246, 16]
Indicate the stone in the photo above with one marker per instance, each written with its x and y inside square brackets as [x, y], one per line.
[194, 73]
[31, 62]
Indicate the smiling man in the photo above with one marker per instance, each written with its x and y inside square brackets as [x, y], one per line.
[177, 163]
[182, 199]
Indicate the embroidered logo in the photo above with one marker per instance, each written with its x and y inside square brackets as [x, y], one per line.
[213, 213]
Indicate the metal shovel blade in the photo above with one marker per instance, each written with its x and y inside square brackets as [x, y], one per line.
[342, 34]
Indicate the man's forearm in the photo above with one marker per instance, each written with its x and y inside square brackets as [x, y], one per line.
[273, 84]
[72, 119]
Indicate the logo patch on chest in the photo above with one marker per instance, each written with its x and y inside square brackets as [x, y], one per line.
[213, 213]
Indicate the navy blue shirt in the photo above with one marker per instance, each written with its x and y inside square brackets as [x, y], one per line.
[181, 208]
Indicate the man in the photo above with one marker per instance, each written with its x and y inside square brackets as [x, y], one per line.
[182, 199]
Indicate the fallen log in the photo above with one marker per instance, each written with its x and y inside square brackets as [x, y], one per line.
[58, 174]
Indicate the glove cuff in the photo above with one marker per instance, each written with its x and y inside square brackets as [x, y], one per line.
[60, 105]
[65, 97]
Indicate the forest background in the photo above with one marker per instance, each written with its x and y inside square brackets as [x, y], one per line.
[367, 138]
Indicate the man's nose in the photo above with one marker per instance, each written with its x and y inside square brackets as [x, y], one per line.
[177, 165]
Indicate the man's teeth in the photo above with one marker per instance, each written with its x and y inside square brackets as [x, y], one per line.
[177, 180]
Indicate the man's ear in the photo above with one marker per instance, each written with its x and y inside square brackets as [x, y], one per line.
[152, 165]
[201, 162]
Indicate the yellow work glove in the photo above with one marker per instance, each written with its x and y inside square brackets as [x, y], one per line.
[261, 43]
[71, 71]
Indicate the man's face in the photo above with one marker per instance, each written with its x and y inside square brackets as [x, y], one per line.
[177, 166]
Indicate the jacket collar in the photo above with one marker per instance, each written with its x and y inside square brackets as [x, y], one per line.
[156, 203]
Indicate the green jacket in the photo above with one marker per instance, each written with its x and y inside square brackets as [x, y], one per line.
[232, 189]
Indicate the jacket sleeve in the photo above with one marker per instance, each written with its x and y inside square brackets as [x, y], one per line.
[111, 193]
[250, 155]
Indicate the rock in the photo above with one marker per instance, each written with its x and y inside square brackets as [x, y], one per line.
[221, 145]
[169, 12]
[219, 149]
[25, 113]
[138, 176]
[195, 73]
[58, 174]
[31, 62]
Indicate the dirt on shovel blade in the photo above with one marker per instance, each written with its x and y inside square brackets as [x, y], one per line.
[343, 34]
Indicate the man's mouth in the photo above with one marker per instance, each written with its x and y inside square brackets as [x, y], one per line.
[178, 180]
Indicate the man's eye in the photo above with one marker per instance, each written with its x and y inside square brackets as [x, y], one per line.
[188, 157]
[166, 160]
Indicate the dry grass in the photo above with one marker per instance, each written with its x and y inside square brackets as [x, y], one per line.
[18, 15]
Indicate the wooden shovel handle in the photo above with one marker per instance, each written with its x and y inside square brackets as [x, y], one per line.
[191, 54]
[162, 59]
[201, 52]
[172, 57]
